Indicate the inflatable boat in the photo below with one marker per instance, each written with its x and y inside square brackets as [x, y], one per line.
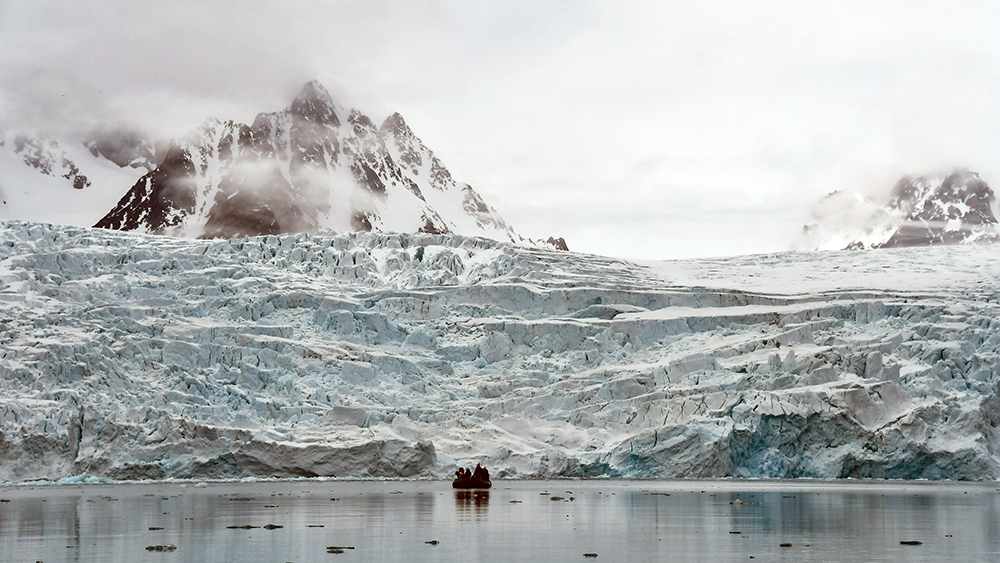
[471, 483]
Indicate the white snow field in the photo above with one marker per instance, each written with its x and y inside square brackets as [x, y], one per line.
[370, 355]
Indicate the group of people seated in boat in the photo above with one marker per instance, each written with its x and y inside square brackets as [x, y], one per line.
[479, 473]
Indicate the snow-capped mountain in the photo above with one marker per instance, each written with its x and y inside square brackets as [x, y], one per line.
[47, 158]
[311, 166]
[955, 208]
[70, 181]
[372, 355]
[127, 149]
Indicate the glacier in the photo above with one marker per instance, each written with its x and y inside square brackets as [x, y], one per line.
[381, 355]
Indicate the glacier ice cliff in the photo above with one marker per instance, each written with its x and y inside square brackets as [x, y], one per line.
[404, 355]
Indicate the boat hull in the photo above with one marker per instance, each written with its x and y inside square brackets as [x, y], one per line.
[471, 483]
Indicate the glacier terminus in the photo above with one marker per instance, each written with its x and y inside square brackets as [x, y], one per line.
[385, 355]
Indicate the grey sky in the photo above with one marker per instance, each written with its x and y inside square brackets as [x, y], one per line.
[645, 129]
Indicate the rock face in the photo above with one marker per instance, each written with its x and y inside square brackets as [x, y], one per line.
[956, 208]
[950, 211]
[62, 178]
[311, 166]
[558, 243]
[47, 157]
[125, 148]
[405, 355]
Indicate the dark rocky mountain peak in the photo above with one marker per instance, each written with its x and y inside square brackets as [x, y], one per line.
[49, 158]
[951, 210]
[363, 126]
[558, 243]
[396, 126]
[961, 195]
[315, 105]
[126, 148]
[485, 216]
[954, 208]
[396, 132]
[312, 166]
[161, 199]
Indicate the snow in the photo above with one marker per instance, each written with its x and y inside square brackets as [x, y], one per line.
[27, 194]
[931, 206]
[360, 355]
[306, 150]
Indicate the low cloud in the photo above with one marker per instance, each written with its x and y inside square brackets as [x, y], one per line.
[688, 106]
[168, 66]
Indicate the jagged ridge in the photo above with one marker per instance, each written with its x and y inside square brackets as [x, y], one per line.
[46, 157]
[308, 167]
[956, 208]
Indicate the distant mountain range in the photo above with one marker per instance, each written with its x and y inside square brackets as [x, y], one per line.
[311, 166]
[954, 208]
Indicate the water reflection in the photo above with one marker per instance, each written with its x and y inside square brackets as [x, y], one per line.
[528, 521]
[472, 503]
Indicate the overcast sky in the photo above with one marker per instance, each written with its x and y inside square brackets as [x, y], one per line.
[652, 129]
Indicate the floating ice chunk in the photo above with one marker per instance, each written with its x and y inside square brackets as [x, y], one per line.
[82, 478]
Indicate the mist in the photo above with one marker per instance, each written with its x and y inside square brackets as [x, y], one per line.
[639, 129]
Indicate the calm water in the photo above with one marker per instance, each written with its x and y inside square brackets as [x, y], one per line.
[516, 521]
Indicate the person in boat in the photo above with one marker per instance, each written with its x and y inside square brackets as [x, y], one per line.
[478, 479]
[481, 473]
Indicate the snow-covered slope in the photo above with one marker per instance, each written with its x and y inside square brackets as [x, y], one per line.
[370, 355]
[955, 208]
[63, 181]
[311, 166]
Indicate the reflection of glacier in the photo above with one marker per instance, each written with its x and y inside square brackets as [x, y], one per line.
[368, 354]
